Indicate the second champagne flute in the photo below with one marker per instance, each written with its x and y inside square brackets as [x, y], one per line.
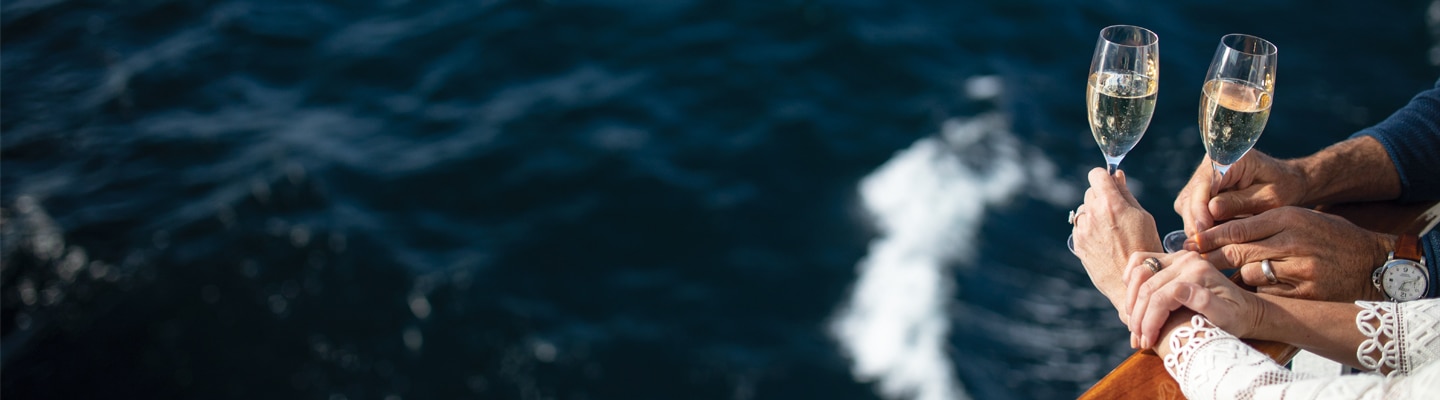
[1234, 106]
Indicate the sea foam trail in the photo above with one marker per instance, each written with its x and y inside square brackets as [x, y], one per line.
[928, 203]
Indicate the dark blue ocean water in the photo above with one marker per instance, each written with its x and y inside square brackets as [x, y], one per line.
[600, 199]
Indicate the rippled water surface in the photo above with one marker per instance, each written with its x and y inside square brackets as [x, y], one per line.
[600, 199]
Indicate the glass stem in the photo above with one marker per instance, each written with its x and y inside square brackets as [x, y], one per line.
[1219, 176]
[1112, 164]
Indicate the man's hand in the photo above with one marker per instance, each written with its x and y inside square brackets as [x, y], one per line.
[1315, 255]
[1254, 184]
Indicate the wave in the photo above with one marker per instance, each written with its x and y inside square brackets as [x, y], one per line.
[929, 202]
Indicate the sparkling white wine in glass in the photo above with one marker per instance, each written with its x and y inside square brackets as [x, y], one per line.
[1232, 115]
[1120, 105]
[1123, 84]
[1235, 102]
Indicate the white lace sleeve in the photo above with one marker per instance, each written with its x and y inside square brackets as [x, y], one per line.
[1212, 364]
[1399, 337]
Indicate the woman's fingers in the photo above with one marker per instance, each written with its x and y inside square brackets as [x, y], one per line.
[1139, 274]
[1140, 290]
[1154, 295]
[1165, 300]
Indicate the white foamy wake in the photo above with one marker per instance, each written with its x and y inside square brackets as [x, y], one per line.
[928, 202]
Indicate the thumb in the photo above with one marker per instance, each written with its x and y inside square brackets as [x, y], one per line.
[1250, 201]
[1196, 298]
[1123, 183]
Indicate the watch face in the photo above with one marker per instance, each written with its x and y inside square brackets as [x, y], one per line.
[1404, 280]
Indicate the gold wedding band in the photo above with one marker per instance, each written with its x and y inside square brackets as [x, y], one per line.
[1154, 264]
[1269, 271]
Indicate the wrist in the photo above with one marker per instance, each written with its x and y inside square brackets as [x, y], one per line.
[1384, 245]
[1311, 176]
[1179, 318]
[1259, 319]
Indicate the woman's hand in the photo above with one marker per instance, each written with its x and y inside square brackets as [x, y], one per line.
[1111, 225]
[1185, 279]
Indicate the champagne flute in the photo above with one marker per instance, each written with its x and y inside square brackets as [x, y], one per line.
[1120, 95]
[1234, 106]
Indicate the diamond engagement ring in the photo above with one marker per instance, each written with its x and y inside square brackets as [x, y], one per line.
[1074, 214]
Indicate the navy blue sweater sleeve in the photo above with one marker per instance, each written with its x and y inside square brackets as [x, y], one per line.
[1412, 137]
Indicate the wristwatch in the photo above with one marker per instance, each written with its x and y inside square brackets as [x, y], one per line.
[1403, 277]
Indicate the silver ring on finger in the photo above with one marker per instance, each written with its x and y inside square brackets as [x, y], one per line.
[1154, 265]
[1269, 271]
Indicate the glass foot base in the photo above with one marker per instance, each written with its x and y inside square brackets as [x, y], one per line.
[1173, 241]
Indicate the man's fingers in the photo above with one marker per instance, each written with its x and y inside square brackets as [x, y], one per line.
[1193, 201]
[1229, 258]
[1253, 275]
[1249, 201]
[1282, 289]
[1245, 230]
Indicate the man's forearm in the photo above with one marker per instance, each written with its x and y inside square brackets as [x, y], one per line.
[1354, 170]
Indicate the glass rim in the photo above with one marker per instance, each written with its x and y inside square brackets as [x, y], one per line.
[1147, 35]
[1238, 42]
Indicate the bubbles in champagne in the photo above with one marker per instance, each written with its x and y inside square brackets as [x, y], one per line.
[1232, 115]
[1120, 105]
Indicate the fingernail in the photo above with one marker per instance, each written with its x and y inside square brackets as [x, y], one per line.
[1182, 293]
[1191, 245]
[1132, 340]
[1143, 342]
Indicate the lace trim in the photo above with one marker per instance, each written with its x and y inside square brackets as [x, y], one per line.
[1186, 340]
[1419, 334]
[1209, 363]
[1399, 337]
[1379, 322]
